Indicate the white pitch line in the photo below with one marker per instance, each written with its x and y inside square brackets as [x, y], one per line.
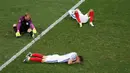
[38, 37]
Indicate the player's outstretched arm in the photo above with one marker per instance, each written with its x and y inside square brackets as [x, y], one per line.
[18, 29]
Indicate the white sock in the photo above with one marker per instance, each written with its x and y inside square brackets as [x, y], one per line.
[80, 24]
[91, 24]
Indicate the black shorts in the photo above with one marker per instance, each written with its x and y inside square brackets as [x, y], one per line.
[23, 29]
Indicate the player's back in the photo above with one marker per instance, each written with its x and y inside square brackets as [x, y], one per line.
[66, 57]
[61, 58]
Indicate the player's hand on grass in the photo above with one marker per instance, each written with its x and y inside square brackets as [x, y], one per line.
[18, 34]
[34, 33]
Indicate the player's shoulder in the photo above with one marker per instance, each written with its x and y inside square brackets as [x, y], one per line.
[21, 17]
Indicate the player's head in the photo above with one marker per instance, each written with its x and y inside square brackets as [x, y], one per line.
[80, 59]
[27, 16]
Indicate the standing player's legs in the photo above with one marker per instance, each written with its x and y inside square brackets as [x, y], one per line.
[91, 16]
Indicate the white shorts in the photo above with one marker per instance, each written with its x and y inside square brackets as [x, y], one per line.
[83, 18]
[52, 58]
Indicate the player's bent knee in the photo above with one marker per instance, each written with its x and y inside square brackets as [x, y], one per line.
[14, 25]
[74, 53]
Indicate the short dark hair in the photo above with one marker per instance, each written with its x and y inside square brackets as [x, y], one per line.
[81, 59]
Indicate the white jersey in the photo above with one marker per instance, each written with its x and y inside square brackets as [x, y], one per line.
[60, 58]
[83, 18]
[71, 13]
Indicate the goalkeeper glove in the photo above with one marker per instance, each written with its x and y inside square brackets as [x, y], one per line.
[34, 31]
[18, 34]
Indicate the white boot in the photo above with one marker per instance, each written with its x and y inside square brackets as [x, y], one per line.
[80, 24]
[91, 24]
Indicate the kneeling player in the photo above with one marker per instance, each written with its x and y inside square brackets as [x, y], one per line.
[81, 18]
[24, 25]
[70, 58]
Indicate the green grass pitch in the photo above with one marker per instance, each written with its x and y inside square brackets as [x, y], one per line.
[105, 47]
